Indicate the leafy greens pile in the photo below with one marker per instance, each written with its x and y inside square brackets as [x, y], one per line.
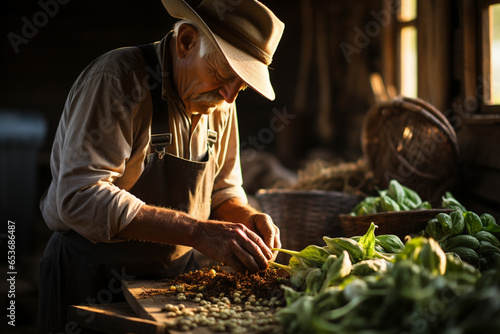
[472, 237]
[395, 198]
[377, 284]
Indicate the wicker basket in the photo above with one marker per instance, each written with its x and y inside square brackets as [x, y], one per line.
[305, 216]
[401, 223]
[411, 141]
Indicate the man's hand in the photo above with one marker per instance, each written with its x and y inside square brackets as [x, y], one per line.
[232, 244]
[235, 211]
[263, 225]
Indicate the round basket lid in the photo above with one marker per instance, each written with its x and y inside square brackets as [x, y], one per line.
[410, 141]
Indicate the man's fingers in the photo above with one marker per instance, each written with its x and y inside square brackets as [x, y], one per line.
[254, 251]
[263, 246]
[243, 257]
[238, 246]
[235, 263]
[277, 239]
[247, 261]
[268, 231]
[276, 244]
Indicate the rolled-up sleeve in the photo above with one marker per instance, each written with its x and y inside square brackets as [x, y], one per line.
[93, 144]
[228, 181]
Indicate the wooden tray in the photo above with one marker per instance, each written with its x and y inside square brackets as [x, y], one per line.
[147, 301]
[113, 318]
[400, 223]
[147, 298]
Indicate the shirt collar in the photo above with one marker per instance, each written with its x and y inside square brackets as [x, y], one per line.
[168, 88]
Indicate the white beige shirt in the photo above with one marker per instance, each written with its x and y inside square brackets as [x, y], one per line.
[103, 138]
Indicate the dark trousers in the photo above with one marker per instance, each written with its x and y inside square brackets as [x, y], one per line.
[75, 271]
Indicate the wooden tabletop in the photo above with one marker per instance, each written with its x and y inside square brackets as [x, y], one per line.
[114, 318]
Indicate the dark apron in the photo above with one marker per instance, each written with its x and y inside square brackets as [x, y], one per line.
[75, 271]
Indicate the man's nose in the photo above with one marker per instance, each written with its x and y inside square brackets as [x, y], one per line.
[230, 89]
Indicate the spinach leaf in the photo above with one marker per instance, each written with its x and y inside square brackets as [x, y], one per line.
[487, 220]
[367, 242]
[338, 245]
[472, 223]
[336, 269]
[450, 202]
[311, 256]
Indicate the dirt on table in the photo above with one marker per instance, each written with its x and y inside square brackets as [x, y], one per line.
[213, 281]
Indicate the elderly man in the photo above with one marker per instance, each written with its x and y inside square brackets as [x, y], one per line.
[145, 161]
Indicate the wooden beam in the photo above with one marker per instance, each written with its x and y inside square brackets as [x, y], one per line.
[113, 318]
[468, 44]
[434, 45]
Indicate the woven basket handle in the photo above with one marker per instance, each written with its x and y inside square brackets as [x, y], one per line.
[434, 111]
[435, 117]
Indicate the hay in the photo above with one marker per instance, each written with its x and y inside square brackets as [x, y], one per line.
[352, 178]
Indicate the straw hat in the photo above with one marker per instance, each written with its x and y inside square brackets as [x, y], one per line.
[246, 32]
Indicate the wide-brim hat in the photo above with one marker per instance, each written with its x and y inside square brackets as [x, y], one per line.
[246, 32]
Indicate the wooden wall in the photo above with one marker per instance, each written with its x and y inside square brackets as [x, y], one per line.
[476, 122]
[40, 65]
[313, 78]
[337, 53]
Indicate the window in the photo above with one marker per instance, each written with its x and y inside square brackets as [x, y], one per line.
[490, 56]
[407, 35]
[399, 48]
[495, 52]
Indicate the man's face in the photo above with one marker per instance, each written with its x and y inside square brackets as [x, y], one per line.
[204, 88]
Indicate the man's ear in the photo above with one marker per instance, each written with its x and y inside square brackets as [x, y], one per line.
[187, 37]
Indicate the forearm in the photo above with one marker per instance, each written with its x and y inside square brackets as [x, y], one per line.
[236, 245]
[233, 210]
[161, 225]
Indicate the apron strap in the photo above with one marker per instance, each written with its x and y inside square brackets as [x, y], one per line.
[160, 135]
[211, 134]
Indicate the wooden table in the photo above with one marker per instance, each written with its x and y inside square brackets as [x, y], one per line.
[114, 318]
[142, 313]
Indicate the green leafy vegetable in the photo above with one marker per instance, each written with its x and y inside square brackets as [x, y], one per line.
[487, 220]
[311, 256]
[487, 236]
[369, 267]
[472, 223]
[297, 275]
[412, 196]
[462, 240]
[378, 296]
[396, 191]
[466, 234]
[390, 243]
[387, 204]
[445, 221]
[458, 222]
[395, 198]
[336, 269]
[367, 242]
[338, 245]
[450, 202]
[466, 254]
[434, 230]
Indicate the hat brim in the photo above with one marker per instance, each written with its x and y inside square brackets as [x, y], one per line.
[253, 72]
